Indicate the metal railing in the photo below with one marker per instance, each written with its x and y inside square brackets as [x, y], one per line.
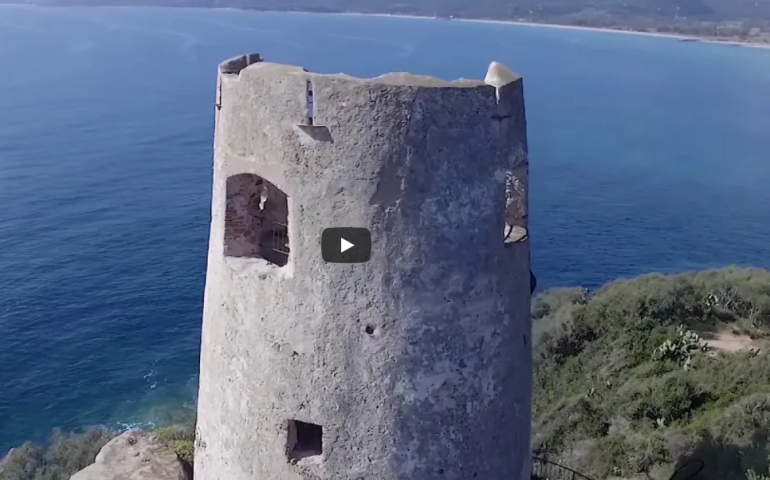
[543, 469]
[279, 241]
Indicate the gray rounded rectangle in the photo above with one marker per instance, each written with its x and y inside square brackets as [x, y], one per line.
[346, 245]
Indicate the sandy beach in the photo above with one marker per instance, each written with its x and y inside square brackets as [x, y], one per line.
[684, 38]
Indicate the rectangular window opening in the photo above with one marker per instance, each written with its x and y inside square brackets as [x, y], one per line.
[305, 442]
[256, 220]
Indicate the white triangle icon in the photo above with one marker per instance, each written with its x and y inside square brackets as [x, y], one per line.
[345, 245]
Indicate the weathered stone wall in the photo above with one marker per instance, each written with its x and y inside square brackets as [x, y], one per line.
[415, 365]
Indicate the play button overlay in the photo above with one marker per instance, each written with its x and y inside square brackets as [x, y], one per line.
[346, 245]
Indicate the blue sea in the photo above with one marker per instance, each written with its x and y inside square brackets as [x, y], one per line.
[647, 154]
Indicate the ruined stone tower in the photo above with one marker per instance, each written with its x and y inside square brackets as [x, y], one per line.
[413, 366]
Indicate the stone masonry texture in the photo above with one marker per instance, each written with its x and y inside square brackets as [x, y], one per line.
[413, 366]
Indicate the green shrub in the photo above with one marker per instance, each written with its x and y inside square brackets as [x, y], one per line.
[681, 347]
[625, 371]
[558, 299]
[65, 454]
[673, 398]
[179, 439]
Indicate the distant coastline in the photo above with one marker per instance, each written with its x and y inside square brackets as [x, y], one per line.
[762, 41]
[683, 38]
[761, 36]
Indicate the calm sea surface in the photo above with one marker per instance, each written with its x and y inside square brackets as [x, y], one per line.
[646, 154]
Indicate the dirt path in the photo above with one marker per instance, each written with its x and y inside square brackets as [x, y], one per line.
[732, 342]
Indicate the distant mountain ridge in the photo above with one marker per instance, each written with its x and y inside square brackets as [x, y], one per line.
[679, 10]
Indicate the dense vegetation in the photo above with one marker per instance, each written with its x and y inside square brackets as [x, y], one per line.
[725, 19]
[67, 453]
[636, 378]
[646, 374]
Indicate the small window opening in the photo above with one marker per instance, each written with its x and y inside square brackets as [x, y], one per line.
[310, 105]
[305, 441]
[256, 220]
[515, 210]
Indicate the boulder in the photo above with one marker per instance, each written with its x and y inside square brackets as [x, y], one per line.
[134, 455]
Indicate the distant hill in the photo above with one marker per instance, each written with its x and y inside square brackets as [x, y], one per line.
[724, 19]
[648, 374]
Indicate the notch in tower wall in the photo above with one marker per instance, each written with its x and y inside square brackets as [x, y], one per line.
[309, 102]
[234, 65]
[310, 129]
[218, 101]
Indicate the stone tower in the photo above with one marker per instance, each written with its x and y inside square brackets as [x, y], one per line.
[413, 366]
